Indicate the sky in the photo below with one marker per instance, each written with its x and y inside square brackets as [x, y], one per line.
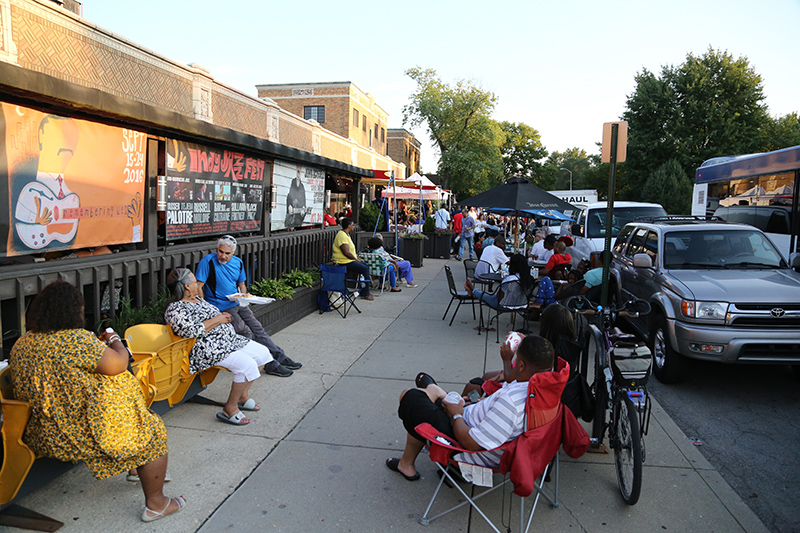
[563, 68]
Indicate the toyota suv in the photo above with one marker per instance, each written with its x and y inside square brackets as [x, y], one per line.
[718, 291]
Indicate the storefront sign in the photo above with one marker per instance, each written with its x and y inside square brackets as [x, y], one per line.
[212, 191]
[68, 183]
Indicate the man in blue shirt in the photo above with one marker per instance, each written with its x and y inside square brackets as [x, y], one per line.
[221, 274]
[467, 232]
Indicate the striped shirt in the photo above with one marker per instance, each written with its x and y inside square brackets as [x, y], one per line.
[494, 421]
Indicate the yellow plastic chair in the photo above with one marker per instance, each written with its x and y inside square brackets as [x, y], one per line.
[17, 456]
[163, 372]
[144, 340]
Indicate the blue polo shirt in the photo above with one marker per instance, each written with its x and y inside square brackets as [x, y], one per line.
[220, 280]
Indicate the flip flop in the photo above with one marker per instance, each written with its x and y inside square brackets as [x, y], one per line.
[180, 500]
[423, 380]
[249, 405]
[237, 420]
[395, 289]
[392, 465]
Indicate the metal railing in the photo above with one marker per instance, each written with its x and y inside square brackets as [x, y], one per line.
[138, 275]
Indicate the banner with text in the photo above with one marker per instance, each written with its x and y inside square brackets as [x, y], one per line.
[70, 183]
[301, 195]
[213, 191]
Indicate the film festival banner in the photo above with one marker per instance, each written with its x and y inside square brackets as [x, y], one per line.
[301, 195]
[212, 191]
[70, 183]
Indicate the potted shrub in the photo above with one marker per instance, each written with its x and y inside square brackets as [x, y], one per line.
[295, 296]
[441, 243]
[413, 247]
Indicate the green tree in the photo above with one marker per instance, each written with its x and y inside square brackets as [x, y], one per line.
[459, 121]
[711, 105]
[576, 160]
[781, 132]
[670, 187]
[522, 151]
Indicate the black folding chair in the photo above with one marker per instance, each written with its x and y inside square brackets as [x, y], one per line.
[455, 294]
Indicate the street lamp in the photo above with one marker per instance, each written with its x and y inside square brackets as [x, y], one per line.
[570, 176]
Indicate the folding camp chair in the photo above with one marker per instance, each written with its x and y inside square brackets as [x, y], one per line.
[378, 267]
[333, 281]
[526, 459]
[455, 294]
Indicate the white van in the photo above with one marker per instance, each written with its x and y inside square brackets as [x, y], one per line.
[589, 230]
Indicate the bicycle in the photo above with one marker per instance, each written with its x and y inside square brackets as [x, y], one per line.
[622, 366]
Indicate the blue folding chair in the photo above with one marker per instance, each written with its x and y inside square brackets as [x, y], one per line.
[333, 281]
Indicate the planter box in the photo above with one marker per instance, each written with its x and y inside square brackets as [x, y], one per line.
[413, 251]
[437, 246]
[281, 313]
[430, 244]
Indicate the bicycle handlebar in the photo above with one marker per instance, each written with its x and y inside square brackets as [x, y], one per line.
[632, 308]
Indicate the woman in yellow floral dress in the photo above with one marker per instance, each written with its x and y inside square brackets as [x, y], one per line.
[85, 404]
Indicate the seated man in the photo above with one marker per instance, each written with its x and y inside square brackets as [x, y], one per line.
[493, 257]
[559, 257]
[398, 267]
[543, 249]
[594, 281]
[222, 273]
[485, 425]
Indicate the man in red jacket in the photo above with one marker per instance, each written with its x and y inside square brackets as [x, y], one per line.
[485, 425]
[456, 232]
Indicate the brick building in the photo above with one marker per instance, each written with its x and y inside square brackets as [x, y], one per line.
[340, 107]
[403, 147]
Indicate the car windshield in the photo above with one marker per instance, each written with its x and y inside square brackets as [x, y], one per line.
[720, 249]
[596, 220]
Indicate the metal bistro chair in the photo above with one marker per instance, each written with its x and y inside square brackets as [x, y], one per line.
[461, 296]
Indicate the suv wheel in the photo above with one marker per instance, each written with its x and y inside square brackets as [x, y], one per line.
[667, 363]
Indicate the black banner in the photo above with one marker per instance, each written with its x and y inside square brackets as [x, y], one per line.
[211, 191]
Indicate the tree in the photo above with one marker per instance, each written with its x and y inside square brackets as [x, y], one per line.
[709, 106]
[522, 151]
[576, 160]
[458, 119]
[670, 187]
[781, 132]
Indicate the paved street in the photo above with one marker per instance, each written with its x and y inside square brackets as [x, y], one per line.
[746, 417]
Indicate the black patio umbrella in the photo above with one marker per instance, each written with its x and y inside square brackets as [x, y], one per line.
[515, 195]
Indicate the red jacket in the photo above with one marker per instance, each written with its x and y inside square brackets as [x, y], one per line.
[457, 222]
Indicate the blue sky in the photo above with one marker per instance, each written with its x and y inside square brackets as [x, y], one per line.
[563, 67]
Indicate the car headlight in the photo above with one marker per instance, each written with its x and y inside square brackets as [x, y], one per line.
[704, 310]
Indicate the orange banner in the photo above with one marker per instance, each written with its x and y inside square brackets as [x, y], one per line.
[71, 183]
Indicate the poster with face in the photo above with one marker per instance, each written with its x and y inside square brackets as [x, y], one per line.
[212, 191]
[301, 195]
[69, 183]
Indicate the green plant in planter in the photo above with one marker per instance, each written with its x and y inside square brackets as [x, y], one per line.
[316, 275]
[272, 288]
[298, 278]
[413, 235]
[128, 315]
[368, 216]
[429, 226]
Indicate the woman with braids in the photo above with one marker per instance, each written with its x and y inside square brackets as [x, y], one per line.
[85, 405]
[190, 316]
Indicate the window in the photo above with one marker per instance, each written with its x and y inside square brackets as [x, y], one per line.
[314, 112]
[376, 131]
[383, 135]
[355, 117]
[363, 123]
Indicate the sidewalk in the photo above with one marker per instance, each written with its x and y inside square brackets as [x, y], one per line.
[313, 458]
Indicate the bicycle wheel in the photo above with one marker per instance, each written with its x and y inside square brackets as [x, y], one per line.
[627, 445]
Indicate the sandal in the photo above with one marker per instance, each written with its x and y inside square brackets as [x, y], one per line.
[423, 380]
[237, 420]
[395, 289]
[249, 405]
[392, 465]
[155, 515]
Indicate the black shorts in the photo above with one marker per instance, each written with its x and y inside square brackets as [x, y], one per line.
[416, 408]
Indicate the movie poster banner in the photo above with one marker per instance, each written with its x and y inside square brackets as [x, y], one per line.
[301, 195]
[70, 183]
[213, 191]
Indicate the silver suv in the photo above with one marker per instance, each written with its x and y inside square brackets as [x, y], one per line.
[718, 291]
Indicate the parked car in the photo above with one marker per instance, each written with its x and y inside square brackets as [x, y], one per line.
[719, 291]
[589, 231]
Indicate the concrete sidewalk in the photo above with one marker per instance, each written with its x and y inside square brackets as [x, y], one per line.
[313, 458]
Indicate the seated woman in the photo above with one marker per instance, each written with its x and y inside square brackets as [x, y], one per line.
[556, 322]
[344, 254]
[85, 405]
[513, 290]
[190, 316]
[399, 267]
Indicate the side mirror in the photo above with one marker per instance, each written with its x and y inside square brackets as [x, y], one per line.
[577, 230]
[642, 261]
[794, 260]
